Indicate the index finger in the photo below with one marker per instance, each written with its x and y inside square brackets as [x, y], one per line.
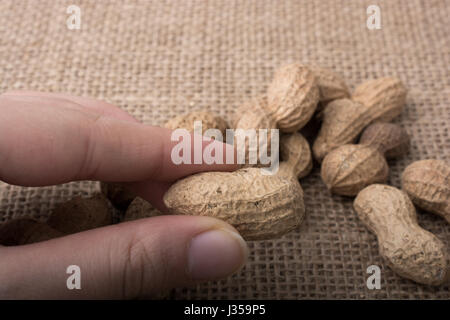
[42, 143]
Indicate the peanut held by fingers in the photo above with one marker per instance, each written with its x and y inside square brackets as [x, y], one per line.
[259, 206]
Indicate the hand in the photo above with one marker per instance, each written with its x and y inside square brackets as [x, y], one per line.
[50, 139]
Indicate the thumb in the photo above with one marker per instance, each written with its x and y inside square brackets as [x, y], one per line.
[142, 258]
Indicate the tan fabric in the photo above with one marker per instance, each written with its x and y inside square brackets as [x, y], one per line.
[157, 59]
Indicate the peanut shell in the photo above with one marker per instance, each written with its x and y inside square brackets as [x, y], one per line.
[427, 183]
[208, 119]
[384, 97]
[351, 167]
[259, 206]
[331, 85]
[80, 214]
[140, 209]
[252, 115]
[343, 119]
[292, 97]
[119, 196]
[295, 151]
[342, 123]
[408, 250]
[390, 139]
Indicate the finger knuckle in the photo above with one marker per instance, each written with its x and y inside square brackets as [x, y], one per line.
[143, 267]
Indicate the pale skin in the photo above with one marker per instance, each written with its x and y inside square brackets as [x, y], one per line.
[48, 139]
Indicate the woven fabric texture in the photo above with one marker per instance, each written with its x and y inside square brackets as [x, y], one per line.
[157, 59]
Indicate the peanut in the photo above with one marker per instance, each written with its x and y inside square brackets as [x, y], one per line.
[259, 206]
[331, 86]
[427, 183]
[408, 250]
[208, 119]
[351, 167]
[80, 214]
[252, 115]
[117, 194]
[296, 156]
[139, 209]
[343, 119]
[292, 97]
[26, 231]
[390, 139]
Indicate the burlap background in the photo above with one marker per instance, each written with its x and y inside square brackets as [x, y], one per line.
[157, 59]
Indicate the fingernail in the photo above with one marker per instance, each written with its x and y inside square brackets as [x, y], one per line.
[216, 254]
